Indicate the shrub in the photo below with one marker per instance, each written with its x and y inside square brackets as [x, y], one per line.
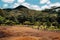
[37, 23]
[27, 23]
[9, 22]
[51, 28]
[2, 20]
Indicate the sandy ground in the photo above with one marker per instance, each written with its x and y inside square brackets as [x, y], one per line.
[26, 33]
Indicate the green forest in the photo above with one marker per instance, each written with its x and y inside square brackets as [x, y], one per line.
[44, 19]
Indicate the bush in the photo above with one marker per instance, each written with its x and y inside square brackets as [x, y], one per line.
[9, 22]
[51, 28]
[37, 23]
[2, 20]
[27, 23]
[35, 27]
[43, 27]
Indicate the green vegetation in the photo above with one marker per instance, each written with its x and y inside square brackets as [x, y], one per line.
[45, 19]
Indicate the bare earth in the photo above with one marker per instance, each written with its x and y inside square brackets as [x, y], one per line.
[26, 33]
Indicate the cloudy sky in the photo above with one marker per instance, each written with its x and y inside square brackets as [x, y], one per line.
[32, 4]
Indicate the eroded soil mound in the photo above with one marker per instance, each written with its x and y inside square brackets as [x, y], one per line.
[26, 33]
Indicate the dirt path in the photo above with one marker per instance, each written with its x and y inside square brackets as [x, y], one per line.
[26, 33]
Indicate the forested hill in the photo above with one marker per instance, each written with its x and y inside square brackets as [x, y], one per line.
[24, 15]
[52, 9]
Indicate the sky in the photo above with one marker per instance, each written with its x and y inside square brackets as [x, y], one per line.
[31, 4]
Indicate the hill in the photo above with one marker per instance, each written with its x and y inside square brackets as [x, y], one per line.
[26, 16]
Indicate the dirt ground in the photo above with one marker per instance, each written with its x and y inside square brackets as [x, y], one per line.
[26, 33]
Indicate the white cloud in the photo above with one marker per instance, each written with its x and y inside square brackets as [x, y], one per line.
[16, 5]
[30, 6]
[45, 6]
[26, 4]
[34, 7]
[44, 1]
[8, 1]
[50, 5]
[55, 4]
[20, 1]
[5, 5]
[48, 2]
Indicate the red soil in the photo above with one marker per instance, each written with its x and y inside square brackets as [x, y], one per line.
[26, 33]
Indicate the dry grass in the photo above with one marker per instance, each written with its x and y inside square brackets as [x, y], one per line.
[26, 33]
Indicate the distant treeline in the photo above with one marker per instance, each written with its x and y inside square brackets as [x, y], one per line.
[25, 16]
